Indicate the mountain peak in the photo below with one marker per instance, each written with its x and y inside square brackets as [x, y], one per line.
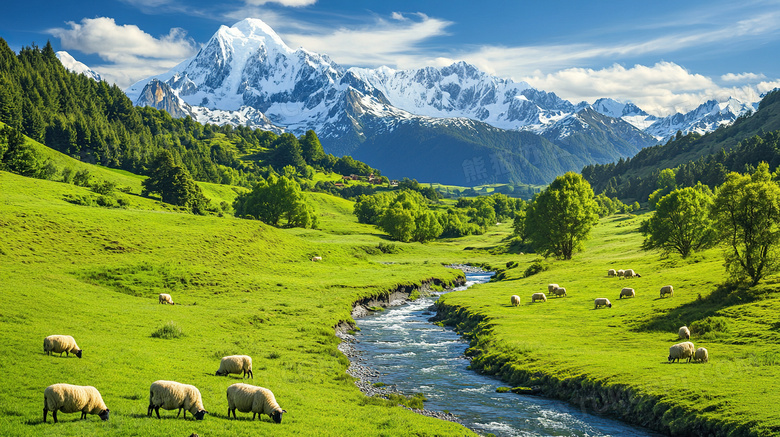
[75, 66]
[255, 29]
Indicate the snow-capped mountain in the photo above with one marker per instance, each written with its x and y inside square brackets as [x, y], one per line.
[706, 118]
[75, 66]
[246, 74]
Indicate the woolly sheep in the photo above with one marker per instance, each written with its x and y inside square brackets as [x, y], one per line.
[170, 395]
[166, 298]
[515, 300]
[258, 400]
[621, 273]
[69, 398]
[317, 258]
[60, 344]
[627, 292]
[538, 296]
[681, 350]
[602, 302]
[667, 289]
[236, 364]
[701, 355]
[611, 272]
[559, 291]
[630, 273]
[684, 332]
[551, 287]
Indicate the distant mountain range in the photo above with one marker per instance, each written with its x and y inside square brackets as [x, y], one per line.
[454, 124]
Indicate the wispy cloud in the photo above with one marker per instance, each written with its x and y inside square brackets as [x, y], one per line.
[131, 53]
[742, 77]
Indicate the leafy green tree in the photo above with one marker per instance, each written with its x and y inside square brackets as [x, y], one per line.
[398, 222]
[311, 148]
[174, 184]
[666, 183]
[287, 151]
[276, 201]
[518, 225]
[681, 222]
[369, 209]
[561, 216]
[747, 216]
[16, 155]
[427, 227]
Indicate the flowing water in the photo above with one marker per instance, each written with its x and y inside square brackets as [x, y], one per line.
[417, 356]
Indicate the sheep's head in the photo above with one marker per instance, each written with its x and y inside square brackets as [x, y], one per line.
[78, 354]
[199, 415]
[104, 414]
[220, 373]
[609, 305]
[277, 415]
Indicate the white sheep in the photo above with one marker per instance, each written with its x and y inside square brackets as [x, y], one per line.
[630, 273]
[667, 289]
[515, 300]
[621, 273]
[170, 395]
[684, 332]
[701, 355]
[559, 291]
[59, 344]
[611, 272]
[317, 258]
[236, 364]
[166, 298]
[627, 292]
[602, 302]
[538, 296]
[258, 400]
[69, 398]
[551, 287]
[681, 350]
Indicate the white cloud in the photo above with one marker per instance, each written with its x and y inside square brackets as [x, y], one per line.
[742, 77]
[131, 53]
[289, 3]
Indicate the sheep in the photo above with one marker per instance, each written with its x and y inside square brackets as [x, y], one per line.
[701, 355]
[538, 296]
[602, 302]
[515, 300]
[258, 400]
[60, 344]
[170, 395]
[681, 350]
[551, 287]
[166, 298]
[69, 398]
[236, 364]
[611, 272]
[317, 258]
[627, 292]
[621, 273]
[667, 289]
[559, 291]
[684, 332]
[630, 273]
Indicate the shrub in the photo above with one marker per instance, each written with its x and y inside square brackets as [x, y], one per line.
[168, 331]
[534, 268]
[415, 401]
[387, 247]
[708, 325]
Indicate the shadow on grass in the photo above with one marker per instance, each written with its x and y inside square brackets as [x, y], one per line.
[724, 296]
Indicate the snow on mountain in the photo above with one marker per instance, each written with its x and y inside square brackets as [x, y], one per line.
[705, 118]
[75, 66]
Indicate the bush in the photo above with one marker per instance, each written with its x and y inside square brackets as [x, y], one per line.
[168, 331]
[415, 401]
[387, 247]
[534, 268]
[708, 325]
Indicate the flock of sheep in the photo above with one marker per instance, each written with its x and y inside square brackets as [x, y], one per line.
[168, 395]
[681, 350]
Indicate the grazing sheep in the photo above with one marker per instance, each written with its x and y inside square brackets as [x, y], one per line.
[667, 289]
[630, 273]
[559, 291]
[236, 364]
[627, 292]
[317, 258]
[515, 300]
[170, 395]
[681, 350]
[551, 287]
[258, 400]
[166, 298]
[602, 302]
[60, 344]
[684, 332]
[538, 296]
[72, 398]
[611, 272]
[621, 273]
[701, 355]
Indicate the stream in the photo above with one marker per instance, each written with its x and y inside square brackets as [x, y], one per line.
[412, 355]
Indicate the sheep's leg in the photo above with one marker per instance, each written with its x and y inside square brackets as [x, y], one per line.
[54, 415]
[157, 410]
[179, 412]
[45, 410]
[83, 415]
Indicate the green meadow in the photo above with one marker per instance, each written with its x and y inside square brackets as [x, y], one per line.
[242, 287]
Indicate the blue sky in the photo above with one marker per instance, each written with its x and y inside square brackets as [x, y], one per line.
[665, 56]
